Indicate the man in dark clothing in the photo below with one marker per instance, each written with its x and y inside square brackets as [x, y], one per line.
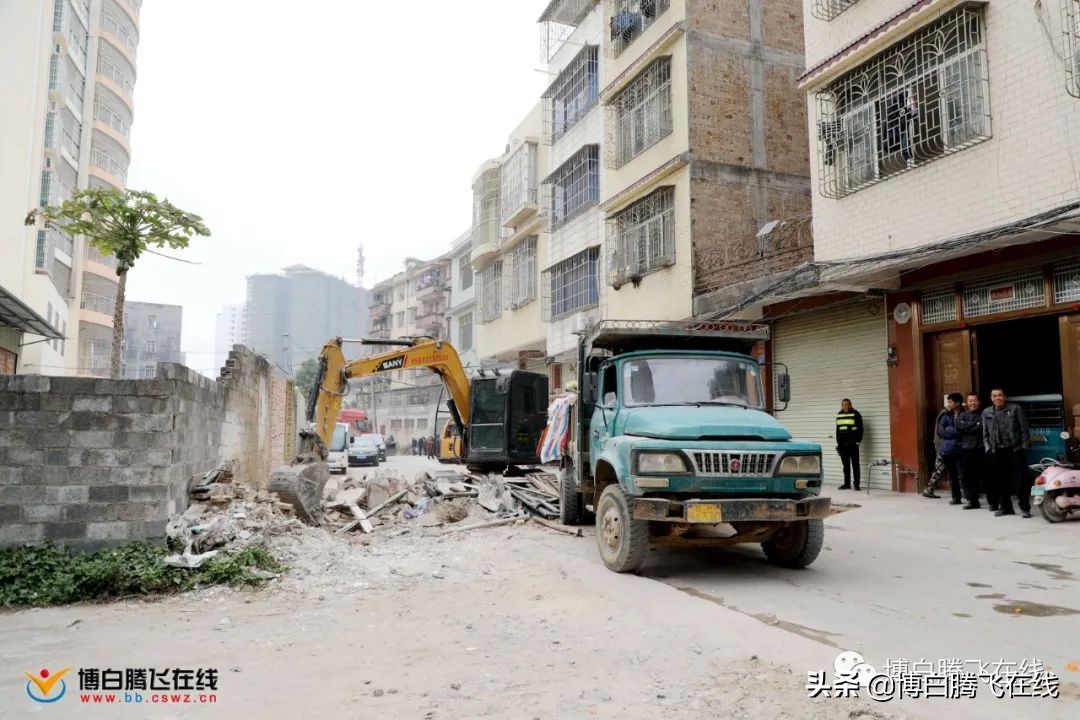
[949, 449]
[1006, 439]
[969, 425]
[849, 433]
[939, 462]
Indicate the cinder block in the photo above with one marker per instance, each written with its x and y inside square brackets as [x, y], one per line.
[11, 476]
[31, 383]
[139, 441]
[43, 513]
[56, 403]
[7, 419]
[136, 512]
[11, 513]
[23, 494]
[86, 512]
[15, 534]
[158, 458]
[133, 404]
[151, 423]
[63, 457]
[108, 493]
[114, 387]
[67, 494]
[107, 531]
[65, 530]
[156, 388]
[92, 439]
[59, 386]
[106, 458]
[26, 457]
[92, 403]
[20, 401]
[48, 438]
[150, 530]
[148, 493]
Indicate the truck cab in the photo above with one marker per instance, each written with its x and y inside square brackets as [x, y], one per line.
[674, 443]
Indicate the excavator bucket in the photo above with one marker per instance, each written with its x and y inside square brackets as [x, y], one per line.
[302, 482]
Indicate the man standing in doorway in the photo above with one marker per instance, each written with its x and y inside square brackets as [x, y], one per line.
[950, 450]
[1006, 439]
[972, 463]
[939, 462]
[849, 433]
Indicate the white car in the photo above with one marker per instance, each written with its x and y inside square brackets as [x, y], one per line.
[337, 457]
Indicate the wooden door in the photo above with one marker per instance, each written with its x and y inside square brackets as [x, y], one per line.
[1070, 370]
[950, 370]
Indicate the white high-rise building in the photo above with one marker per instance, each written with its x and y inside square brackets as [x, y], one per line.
[67, 74]
[229, 330]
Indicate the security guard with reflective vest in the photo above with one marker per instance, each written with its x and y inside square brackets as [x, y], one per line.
[849, 433]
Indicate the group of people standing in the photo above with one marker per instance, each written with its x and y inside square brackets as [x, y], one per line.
[424, 446]
[983, 450]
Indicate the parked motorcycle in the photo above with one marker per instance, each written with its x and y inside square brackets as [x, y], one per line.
[1056, 490]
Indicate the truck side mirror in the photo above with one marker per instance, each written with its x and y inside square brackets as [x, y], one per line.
[783, 387]
[588, 388]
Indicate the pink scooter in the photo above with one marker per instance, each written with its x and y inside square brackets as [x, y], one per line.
[1056, 490]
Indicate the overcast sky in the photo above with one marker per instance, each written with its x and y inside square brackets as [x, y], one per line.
[300, 135]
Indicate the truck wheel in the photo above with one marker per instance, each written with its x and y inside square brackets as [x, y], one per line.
[623, 540]
[1050, 511]
[795, 544]
[570, 500]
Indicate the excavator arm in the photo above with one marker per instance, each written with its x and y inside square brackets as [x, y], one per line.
[439, 356]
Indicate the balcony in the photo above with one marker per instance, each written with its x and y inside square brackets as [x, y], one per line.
[107, 110]
[486, 233]
[107, 155]
[115, 22]
[519, 193]
[431, 284]
[98, 303]
[630, 20]
[95, 350]
[380, 306]
[116, 69]
[432, 320]
[557, 24]
[94, 256]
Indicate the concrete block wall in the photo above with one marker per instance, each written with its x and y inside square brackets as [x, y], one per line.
[91, 463]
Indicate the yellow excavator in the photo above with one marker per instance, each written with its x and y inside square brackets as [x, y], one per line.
[499, 416]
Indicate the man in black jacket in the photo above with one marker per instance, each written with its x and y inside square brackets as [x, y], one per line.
[849, 433]
[972, 464]
[1006, 438]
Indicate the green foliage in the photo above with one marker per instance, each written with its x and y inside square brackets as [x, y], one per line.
[48, 575]
[305, 376]
[123, 223]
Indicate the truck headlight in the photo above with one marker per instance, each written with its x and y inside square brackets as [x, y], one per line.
[800, 465]
[660, 463]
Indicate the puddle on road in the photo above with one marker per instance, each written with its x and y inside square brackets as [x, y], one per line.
[992, 596]
[822, 636]
[1034, 609]
[975, 584]
[961, 615]
[1029, 586]
[1056, 572]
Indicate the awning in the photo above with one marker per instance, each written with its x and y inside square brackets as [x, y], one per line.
[17, 314]
[882, 272]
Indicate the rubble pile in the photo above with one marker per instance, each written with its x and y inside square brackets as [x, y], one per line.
[226, 515]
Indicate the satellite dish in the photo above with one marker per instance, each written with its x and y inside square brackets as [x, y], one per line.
[902, 314]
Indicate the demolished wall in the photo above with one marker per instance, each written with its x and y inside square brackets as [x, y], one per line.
[88, 463]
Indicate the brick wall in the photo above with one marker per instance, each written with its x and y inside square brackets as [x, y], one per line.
[89, 463]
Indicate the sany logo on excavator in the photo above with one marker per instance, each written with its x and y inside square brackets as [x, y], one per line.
[392, 364]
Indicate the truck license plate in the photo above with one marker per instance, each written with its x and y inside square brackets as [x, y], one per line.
[704, 513]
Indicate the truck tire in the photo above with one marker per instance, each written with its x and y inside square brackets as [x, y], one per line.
[623, 541]
[571, 502]
[795, 544]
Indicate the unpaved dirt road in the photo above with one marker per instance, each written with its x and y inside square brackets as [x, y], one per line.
[510, 622]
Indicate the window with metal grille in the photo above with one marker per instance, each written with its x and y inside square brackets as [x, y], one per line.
[50, 130]
[829, 9]
[629, 19]
[1067, 282]
[150, 346]
[575, 91]
[640, 115]
[925, 98]
[39, 252]
[939, 306]
[641, 238]
[1004, 293]
[54, 72]
[518, 182]
[465, 341]
[574, 187]
[465, 272]
[521, 274]
[489, 291]
[1070, 10]
[49, 188]
[572, 285]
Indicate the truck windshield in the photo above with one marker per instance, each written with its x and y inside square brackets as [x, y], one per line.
[691, 381]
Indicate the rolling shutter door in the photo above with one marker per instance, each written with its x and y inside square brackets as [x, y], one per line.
[835, 354]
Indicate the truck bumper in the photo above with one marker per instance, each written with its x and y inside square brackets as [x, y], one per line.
[712, 512]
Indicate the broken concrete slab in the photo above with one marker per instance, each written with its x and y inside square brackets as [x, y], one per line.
[302, 486]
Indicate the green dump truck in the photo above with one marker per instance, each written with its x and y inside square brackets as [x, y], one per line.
[672, 442]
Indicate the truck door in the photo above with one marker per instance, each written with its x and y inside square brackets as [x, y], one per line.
[603, 417]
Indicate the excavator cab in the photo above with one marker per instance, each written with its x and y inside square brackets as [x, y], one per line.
[508, 414]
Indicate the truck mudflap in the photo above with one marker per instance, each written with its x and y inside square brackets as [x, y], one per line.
[713, 512]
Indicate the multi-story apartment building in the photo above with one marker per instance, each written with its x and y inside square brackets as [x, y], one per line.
[229, 330]
[290, 316]
[461, 327]
[509, 245]
[412, 303]
[945, 203]
[69, 75]
[151, 335]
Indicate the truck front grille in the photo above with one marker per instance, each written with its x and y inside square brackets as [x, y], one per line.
[740, 464]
